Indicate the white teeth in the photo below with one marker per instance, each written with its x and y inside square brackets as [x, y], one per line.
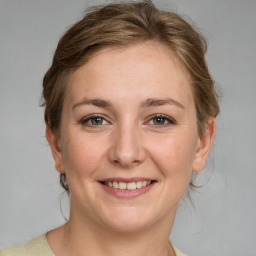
[115, 184]
[139, 184]
[144, 183]
[131, 185]
[127, 186]
[122, 185]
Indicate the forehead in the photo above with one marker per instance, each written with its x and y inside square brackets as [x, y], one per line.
[134, 71]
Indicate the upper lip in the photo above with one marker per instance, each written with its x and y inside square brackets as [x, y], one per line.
[127, 180]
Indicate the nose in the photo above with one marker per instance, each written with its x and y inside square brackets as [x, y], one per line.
[127, 149]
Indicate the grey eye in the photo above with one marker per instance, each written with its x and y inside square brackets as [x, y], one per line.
[159, 120]
[96, 120]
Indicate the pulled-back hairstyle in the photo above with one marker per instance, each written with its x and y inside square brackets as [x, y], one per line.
[120, 25]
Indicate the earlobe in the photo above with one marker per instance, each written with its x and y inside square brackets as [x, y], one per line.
[53, 141]
[204, 146]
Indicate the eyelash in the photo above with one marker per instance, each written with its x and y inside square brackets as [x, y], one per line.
[165, 118]
[85, 121]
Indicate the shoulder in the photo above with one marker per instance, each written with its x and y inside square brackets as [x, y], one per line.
[176, 250]
[40, 247]
[37, 246]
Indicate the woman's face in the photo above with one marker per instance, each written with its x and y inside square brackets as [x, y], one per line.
[128, 141]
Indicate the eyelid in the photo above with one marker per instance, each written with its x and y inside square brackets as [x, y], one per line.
[85, 119]
[171, 120]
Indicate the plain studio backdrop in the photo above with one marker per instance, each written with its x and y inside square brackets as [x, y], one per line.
[223, 220]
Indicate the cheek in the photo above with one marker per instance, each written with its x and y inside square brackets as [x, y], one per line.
[174, 156]
[82, 154]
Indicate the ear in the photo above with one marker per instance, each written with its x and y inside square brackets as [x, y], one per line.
[53, 141]
[204, 146]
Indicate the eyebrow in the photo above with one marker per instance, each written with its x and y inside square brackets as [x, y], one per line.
[151, 102]
[154, 102]
[96, 102]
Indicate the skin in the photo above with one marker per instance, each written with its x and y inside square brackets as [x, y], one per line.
[127, 141]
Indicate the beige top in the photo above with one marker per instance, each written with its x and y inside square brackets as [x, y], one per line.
[39, 247]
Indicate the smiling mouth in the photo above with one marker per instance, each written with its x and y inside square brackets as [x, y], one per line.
[127, 185]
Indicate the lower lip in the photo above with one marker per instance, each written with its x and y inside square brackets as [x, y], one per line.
[125, 193]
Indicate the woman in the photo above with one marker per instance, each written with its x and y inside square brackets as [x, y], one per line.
[130, 112]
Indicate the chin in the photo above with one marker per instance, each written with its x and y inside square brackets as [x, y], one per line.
[128, 220]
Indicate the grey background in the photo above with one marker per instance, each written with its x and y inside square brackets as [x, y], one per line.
[223, 220]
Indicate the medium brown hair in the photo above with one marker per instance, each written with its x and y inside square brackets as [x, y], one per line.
[120, 25]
